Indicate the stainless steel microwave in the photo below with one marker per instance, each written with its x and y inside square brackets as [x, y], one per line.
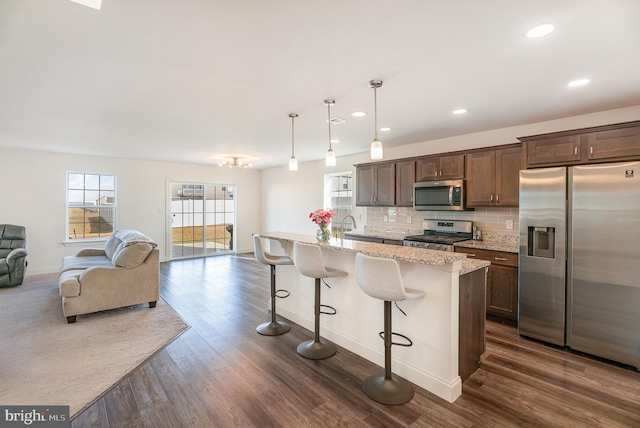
[444, 195]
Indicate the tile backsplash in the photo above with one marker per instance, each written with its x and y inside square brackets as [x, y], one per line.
[493, 221]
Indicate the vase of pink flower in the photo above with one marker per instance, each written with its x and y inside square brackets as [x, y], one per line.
[322, 218]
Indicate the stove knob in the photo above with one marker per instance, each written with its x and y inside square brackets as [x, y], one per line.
[436, 247]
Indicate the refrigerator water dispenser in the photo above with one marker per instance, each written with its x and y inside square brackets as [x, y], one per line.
[542, 242]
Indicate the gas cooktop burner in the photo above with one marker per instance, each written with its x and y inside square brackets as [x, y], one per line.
[440, 234]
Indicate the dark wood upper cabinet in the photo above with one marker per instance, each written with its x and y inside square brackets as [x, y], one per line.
[609, 143]
[614, 144]
[405, 177]
[493, 178]
[554, 151]
[375, 184]
[448, 167]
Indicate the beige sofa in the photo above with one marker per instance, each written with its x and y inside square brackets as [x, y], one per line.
[125, 272]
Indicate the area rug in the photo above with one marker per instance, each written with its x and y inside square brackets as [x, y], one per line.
[45, 361]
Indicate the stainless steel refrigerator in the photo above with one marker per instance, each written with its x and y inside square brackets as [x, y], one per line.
[579, 261]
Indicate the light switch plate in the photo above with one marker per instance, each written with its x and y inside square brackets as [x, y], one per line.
[409, 219]
[509, 224]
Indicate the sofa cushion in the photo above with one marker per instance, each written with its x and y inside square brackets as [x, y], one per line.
[111, 246]
[133, 250]
[81, 263]
[69, 283]
[130, 256]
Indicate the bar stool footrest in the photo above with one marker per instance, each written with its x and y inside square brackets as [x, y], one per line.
[282, 296]
[409, 342]
[388, 391]
[332, 312]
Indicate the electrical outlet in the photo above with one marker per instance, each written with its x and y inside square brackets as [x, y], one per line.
[509, 224]
[409, 219]
[386, 218]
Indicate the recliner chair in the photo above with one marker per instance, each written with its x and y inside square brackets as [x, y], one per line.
[13, 264]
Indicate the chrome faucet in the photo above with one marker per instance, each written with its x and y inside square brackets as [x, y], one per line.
[353, 220]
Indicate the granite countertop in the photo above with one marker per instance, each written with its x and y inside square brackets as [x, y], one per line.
[506, 243]
[406, 254]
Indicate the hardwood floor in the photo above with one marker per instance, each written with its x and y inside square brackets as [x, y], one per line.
[221, 373]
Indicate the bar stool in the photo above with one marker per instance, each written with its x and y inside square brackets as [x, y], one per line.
[272, 328]
[380, 278]
[309, 261]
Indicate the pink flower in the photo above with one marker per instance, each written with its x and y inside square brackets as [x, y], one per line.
[322, 217]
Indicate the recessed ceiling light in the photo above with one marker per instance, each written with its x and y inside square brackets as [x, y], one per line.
[578, 82]
[94, 4]
[540, 31]
[385, 129]
[460, 111]
[358, 114]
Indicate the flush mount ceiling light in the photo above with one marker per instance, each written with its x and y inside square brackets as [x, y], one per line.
[293, 162]
[376, 145]
[331, 155]
[358, 114]
[540, 31]
[459, 111]
[235, 163]
[578, 82]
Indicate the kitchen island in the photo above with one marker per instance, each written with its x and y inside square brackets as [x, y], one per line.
[446, 325]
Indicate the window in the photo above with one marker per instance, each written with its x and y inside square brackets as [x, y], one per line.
[338, 195]
[91, 205]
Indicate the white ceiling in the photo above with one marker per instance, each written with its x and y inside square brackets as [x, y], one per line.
[193, 80]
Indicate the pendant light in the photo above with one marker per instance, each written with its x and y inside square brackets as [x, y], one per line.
[293, 162]
[376, 145]
[331, 156]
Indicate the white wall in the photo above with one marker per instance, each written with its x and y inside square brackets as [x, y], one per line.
[291, 195]
[33, 195]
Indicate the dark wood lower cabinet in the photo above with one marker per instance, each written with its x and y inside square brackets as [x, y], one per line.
[502, 283]
[471, 319]
[502, 291]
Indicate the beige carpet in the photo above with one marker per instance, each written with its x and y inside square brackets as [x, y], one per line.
[45, 361]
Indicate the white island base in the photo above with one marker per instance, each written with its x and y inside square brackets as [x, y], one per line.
[432, 322]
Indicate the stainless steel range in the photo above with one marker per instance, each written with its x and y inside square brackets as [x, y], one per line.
[440, 234]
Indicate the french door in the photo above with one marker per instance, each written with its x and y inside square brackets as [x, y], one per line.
[202, 219]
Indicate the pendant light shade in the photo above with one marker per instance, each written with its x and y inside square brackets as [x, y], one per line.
[331, 155]
[376, 145]
[293, 162]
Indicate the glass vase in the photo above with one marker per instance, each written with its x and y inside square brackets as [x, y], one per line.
[323, 234]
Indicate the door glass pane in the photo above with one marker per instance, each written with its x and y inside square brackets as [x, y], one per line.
[201, 220]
